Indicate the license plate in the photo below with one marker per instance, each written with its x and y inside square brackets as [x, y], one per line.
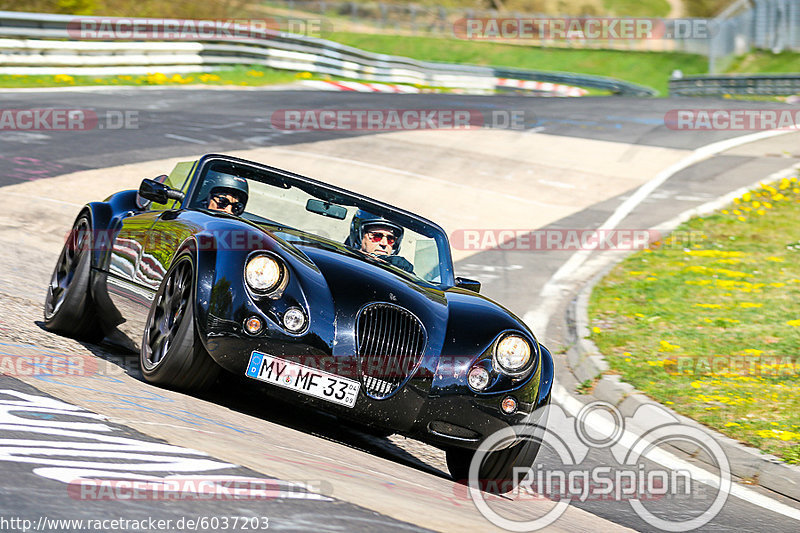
[303, 379]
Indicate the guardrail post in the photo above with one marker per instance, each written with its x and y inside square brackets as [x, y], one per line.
[384, 13]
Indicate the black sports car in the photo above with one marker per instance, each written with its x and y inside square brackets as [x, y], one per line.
[334, 299]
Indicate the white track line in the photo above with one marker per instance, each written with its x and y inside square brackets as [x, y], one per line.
[184, 139]
[549, 296]
[43, 198]
[668, 460]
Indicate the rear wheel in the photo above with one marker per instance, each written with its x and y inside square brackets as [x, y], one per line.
[68, 307]
[171, 353]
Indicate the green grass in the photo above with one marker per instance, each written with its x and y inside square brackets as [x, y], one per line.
[243, 76]
[761, 61]
[710, 325]
[649, 8]
[645, 68]
[637, 8]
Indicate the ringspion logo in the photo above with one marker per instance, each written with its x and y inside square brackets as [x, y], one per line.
[593, 457]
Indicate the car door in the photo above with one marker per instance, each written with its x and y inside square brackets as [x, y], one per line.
[133, 276]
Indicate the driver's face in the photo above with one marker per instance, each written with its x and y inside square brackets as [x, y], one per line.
[217, 201]
[378, 240]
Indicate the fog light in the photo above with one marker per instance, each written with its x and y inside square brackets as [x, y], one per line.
[294, 319]
[478, 378]
[509, 405]
[253, 325]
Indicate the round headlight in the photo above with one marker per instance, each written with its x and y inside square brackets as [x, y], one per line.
[478, 378]
[294, 320]
[263, 273]
[513, 353]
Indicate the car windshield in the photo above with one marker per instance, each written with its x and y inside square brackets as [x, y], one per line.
[308, 213]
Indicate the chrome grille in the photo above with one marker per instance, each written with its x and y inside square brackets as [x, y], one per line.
[390, 345]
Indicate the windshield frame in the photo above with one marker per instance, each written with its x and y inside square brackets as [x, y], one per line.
[336, 195]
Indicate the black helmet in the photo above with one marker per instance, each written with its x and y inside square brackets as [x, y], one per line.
[218, 182]
[363, 220]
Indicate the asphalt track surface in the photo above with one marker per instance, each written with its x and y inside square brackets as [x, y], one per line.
[185, 122]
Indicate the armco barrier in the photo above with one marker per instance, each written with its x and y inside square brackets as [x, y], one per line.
[36, 43]
[753, 84]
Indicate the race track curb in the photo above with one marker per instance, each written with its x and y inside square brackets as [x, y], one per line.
[587, 363]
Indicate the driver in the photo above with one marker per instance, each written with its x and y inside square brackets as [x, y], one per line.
[378, 237]
[227, 193]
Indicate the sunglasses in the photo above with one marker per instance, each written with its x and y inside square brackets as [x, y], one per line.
[223, 203]
[377, 236]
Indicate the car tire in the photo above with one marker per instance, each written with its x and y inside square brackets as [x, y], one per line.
[68, 306]
[497, 469]
[171, 354]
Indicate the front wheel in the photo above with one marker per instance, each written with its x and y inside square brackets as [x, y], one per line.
[496, 472]
[68, 307]
[171, 354]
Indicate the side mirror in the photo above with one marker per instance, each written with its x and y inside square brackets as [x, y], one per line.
[469, 284]
[158, 192]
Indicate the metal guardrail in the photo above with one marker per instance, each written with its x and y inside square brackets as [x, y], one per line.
[745, 24]
[32, 43]
[755, 84]
[439, 20]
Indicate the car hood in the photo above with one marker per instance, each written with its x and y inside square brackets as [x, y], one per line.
[354, 280]
[337, 282]
[456, 321]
